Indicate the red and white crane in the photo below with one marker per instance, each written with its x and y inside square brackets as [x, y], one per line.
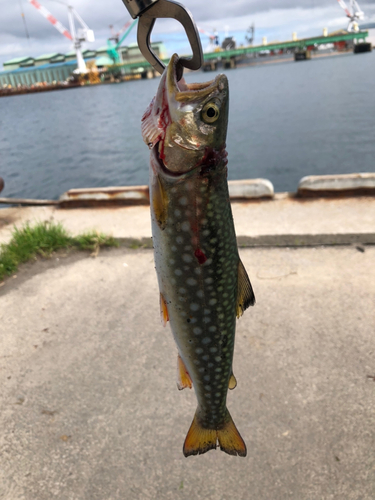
[116, 36]
[354, 13]
[214, 39]
[83, 34]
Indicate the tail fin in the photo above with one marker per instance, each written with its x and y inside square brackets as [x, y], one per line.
[199, 440]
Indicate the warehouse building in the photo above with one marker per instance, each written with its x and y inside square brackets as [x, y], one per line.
[58, 67]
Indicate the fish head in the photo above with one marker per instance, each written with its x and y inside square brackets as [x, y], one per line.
[187, 122]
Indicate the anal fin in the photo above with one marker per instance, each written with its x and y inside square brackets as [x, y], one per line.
[163, 311]
[245, 294]
[183, 377]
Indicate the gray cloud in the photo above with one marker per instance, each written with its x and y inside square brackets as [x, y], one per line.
[99, 15]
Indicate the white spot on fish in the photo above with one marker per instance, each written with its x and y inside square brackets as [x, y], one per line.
[182, 290]
[192, 282]
[212, 302]
[212, 329]
[206, 378]
[173, 248]
[218, 369]
[208, 262]
[206, 340]
[204, 222]
[207, 311]
[206, 232]
[207, 387]
[213, 349]
[177, 212]
[194, 306]
[187, 258]
[198, 271]
[197, 330]
[200, 294]
[208, 281]
[178, 272]
[206, 320]
[179, 240]
[172, 261]
[218, 358]
[206, 357]
[185, 226]
[199, 350]
[183, 201]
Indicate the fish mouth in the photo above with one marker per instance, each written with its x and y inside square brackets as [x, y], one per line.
[191, 91]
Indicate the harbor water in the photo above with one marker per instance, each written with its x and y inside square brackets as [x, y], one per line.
[286, 121]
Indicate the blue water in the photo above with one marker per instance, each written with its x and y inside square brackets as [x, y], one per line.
[286, 121]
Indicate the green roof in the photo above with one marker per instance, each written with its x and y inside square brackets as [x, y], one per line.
[71, 53]
[103, 61]
[47, 56]
[17, 60]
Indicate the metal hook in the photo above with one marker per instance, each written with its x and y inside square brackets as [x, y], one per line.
[169, 9]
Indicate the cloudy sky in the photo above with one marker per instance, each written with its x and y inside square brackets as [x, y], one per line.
[276, 19]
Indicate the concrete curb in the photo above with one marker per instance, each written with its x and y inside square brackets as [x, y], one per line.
[333, 185]
[247, 189]
[250, 189]
[276, 240]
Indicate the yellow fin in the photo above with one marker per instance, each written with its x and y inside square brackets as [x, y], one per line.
[183, 377]
[163, 311]
[232, 382]
[159, 202]
[230, 439]
[199, 440]
[245, 294]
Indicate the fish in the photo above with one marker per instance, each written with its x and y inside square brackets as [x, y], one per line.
[202, 281]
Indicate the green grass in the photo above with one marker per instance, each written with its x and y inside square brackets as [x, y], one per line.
[42, 240]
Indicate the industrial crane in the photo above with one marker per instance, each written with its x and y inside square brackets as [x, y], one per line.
[354, 14]
[83, 34]
[116, 36]
[112, 49]
[214, 40]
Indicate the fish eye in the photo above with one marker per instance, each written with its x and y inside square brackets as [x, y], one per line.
[210, 112]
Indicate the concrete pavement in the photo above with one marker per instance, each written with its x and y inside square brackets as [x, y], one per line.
[90, 408]
[284, 220]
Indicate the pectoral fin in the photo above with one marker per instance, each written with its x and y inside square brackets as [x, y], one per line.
[159, 202]
[183, 377]
[245, 294]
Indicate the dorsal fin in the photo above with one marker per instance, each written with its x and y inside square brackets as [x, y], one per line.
[245, 294]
